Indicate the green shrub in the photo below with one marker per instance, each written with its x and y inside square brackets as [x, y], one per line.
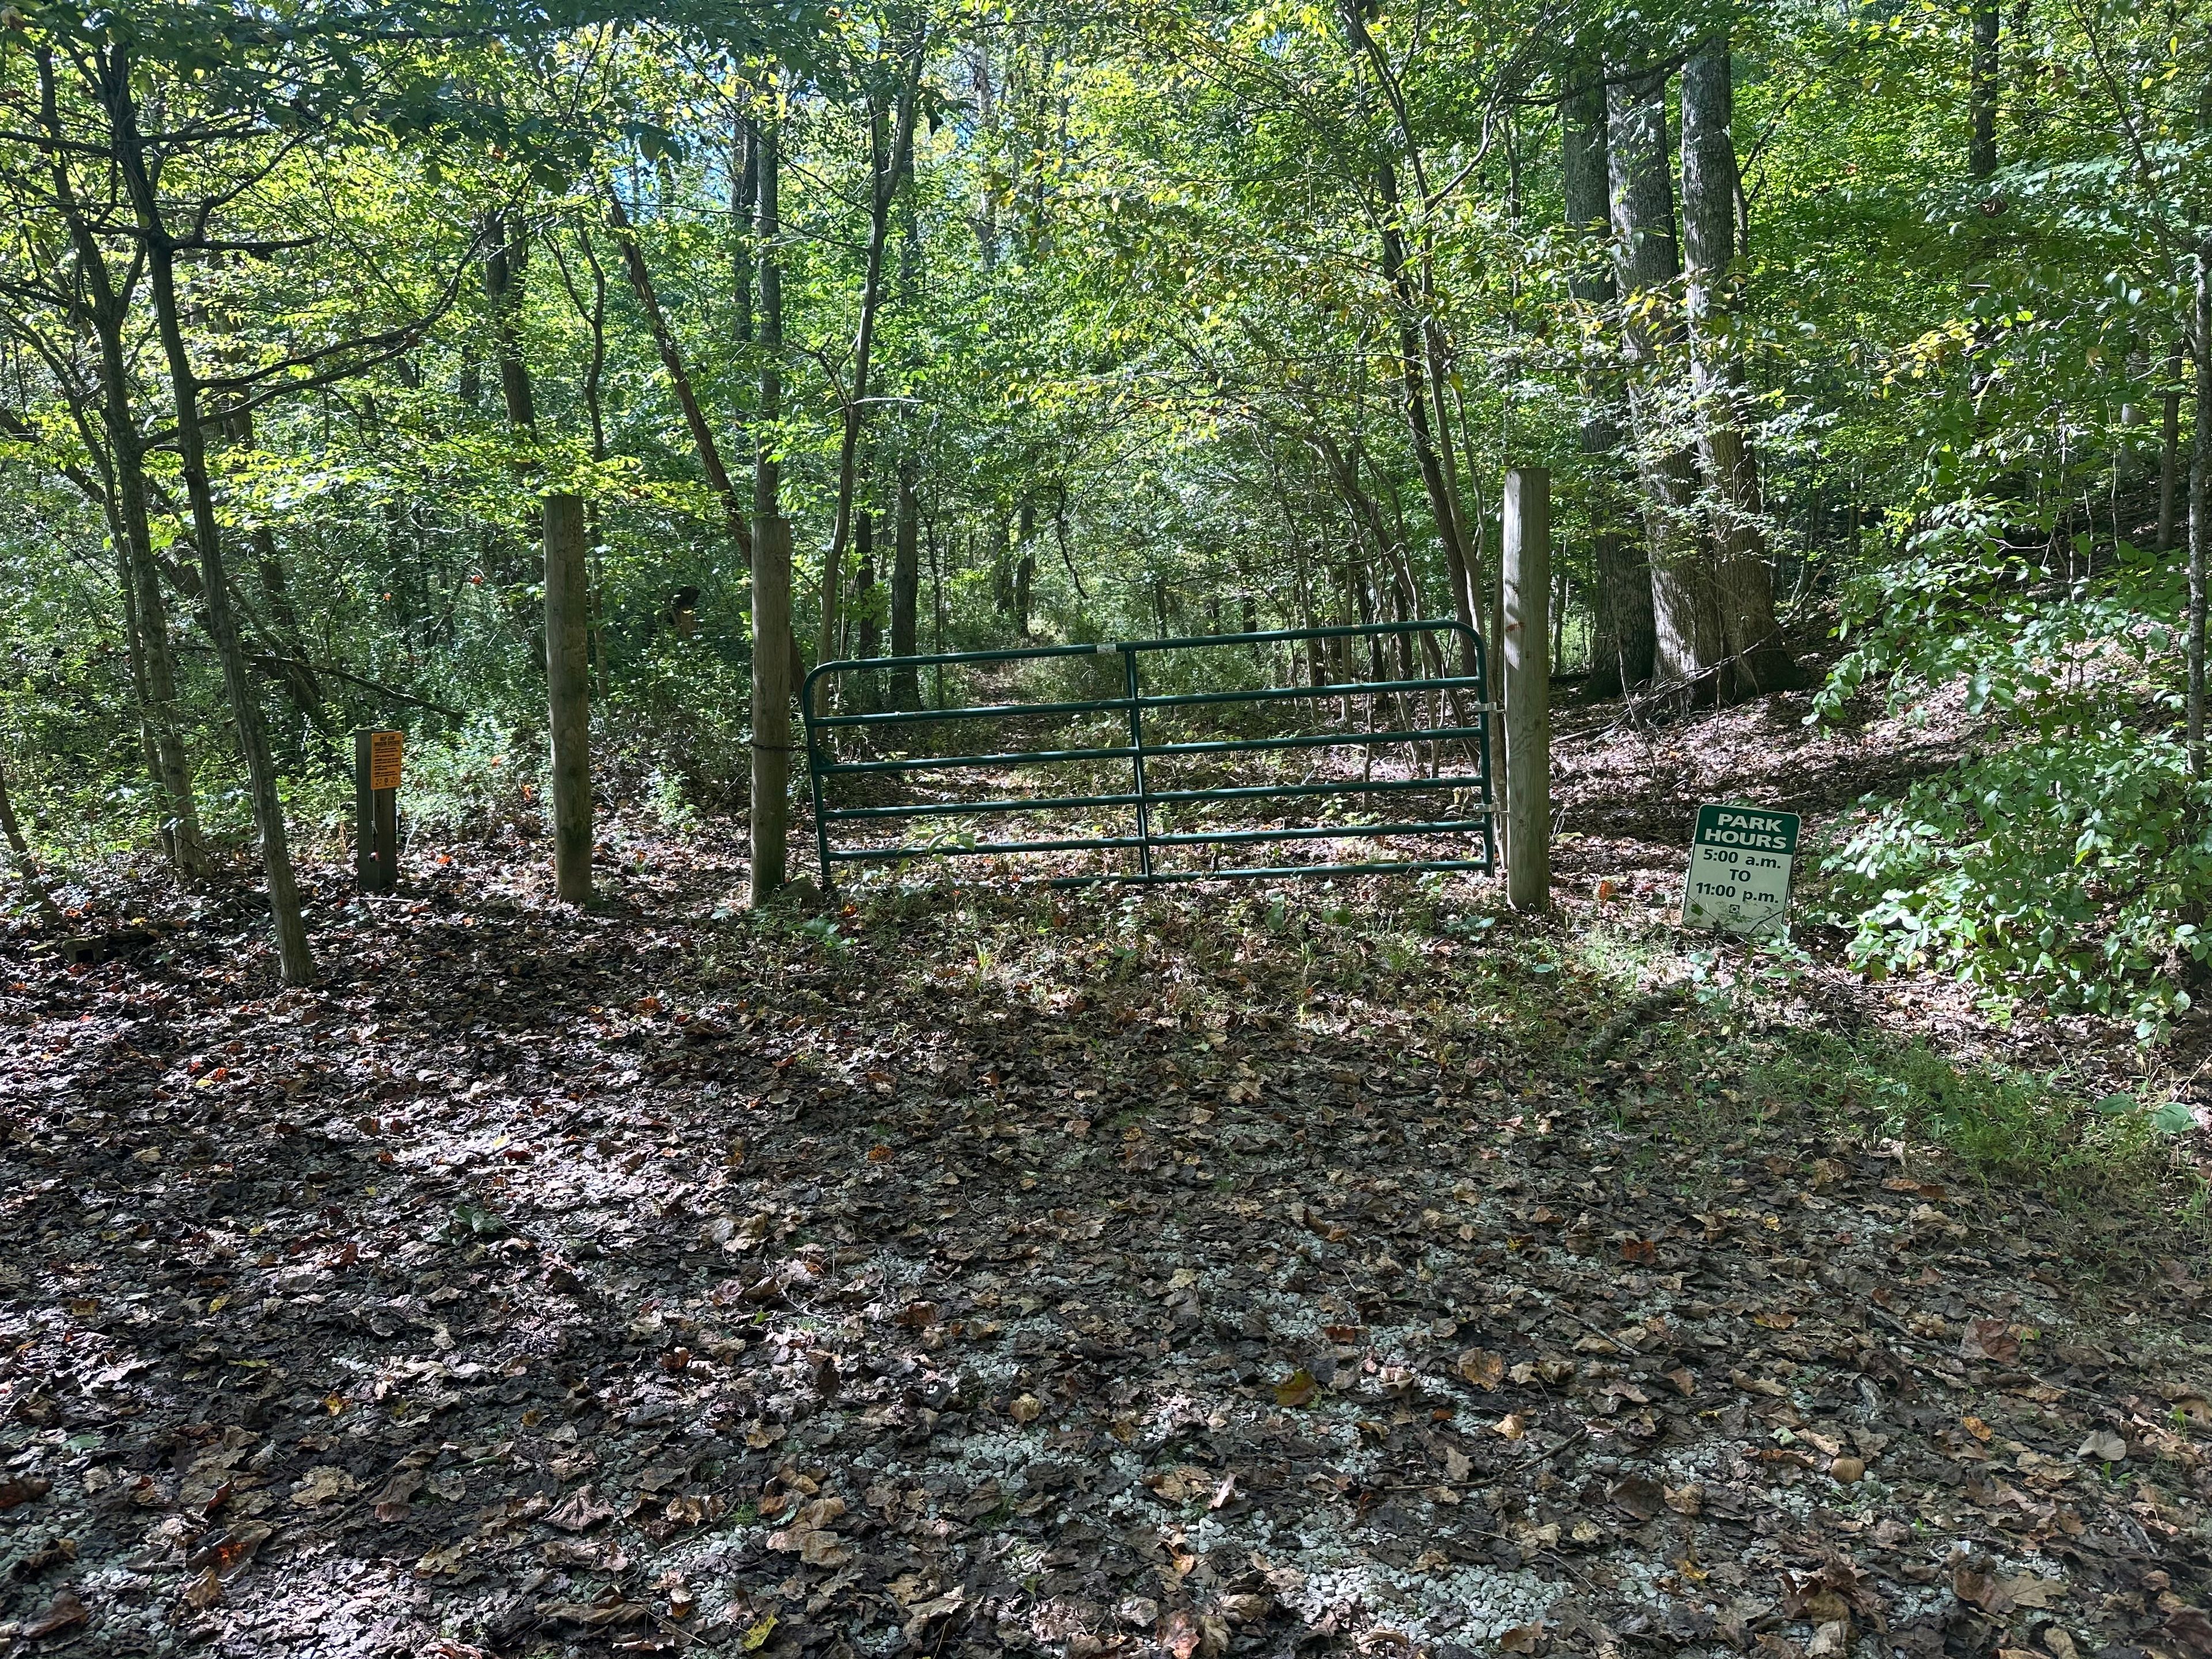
[2064, 867]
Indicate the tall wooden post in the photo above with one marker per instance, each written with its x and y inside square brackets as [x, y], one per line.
[1526, 643]
[568, 695]
[771, 798]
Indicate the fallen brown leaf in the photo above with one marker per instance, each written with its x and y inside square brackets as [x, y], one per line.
[582, 1509]
[1482, 1368]
[63, 1611]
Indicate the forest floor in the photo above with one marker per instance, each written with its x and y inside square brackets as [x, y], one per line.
[962, 1269]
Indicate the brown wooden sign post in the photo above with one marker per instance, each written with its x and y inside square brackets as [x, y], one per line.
[376, 757]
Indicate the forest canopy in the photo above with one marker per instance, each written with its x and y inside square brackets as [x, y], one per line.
[1866, 344]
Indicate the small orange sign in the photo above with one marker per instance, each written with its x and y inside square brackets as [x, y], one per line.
[384, 750]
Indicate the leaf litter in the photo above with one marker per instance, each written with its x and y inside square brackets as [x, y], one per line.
[962, 1271]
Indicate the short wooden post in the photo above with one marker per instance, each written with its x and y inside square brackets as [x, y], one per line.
[1526, 565]
[568, 695]
[376, 757]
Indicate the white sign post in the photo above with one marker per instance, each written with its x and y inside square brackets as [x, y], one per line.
[1741, 859]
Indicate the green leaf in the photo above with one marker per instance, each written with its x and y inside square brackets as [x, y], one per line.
[2115, 1105]
[2174, 1118]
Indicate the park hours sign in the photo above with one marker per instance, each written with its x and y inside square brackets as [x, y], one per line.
[1741, 862]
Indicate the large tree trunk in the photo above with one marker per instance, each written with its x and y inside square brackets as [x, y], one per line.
[1754, 658]
[1646, 265]
[772, 655]
[1622, 639]
[296, 963]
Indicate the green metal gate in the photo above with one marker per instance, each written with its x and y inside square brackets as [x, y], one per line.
[1440, 709]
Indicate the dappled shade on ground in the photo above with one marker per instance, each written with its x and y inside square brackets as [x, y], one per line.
[977, 1271]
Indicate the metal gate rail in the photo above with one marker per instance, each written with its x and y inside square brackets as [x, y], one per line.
[1469, 725]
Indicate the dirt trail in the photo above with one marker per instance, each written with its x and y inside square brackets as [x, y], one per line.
[1190, 1273]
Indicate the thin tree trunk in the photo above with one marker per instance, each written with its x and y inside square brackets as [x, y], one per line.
[502, 280]
[679, 376]
[863, 601]
[296, 963]
[1754, 658]
[745, 190]
[887, 173]
[771, 562]
[906, 588]
[1024, 568]
[1622, 638]
[188, 847]
[2169, 464]
[1647, 265]
[108, 305]
[569, 696]
[25, 865]
[1982, 91]
[504, 271]
[2200, 507]
[284, 617]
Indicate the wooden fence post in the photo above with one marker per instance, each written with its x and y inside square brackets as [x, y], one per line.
[1526, 564]
[568, 695]
[376, 810]
[772, 693]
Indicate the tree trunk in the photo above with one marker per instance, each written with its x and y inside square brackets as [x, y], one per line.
[2200, 507]
[284, 617]
[296, 964]
[906, 588]
[108, 305]
[188, 846]
[502, 280]
[1646, 266]
[864, 602]
[504, 271]
[1413, 385]
[568, 695]
[771, 689]
[1622, 640]
[679, 376]
[744, 188]
[48, 910]
[886, 172]
[1982, 92]
[1024, 577]
[2169, 464]
[1754, 658]
[1422, 351]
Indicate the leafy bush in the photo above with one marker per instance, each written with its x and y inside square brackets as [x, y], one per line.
[2068, 868]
